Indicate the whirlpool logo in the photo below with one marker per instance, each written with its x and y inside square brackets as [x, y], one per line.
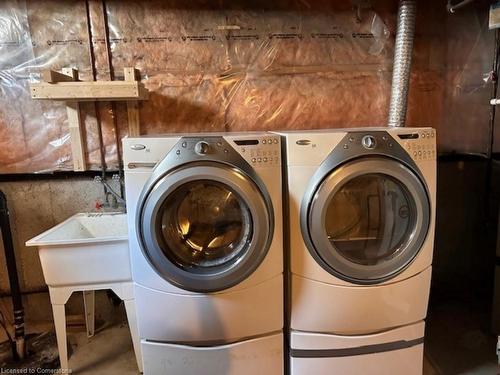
[303, 142]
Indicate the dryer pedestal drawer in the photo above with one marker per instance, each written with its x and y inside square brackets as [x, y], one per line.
[405, 361]
[398, 351]
[321, 307]
[263, 356]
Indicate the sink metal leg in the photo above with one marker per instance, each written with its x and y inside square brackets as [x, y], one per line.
[60, 323]
[89, 304]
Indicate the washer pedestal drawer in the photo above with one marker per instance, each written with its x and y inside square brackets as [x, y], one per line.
[263, 356]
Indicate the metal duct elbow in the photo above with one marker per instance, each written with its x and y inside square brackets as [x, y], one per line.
[403, 51]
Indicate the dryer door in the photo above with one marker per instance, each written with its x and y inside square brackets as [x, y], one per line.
[205, 228]
[367, 220]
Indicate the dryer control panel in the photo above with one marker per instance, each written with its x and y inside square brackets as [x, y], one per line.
[420, 144]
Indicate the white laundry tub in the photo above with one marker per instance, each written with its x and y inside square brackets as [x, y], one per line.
[87, 248]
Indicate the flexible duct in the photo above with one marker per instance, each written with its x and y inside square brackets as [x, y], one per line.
[403, 51]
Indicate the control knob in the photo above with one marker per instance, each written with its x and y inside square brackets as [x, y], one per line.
[202, 148]
[369, 142]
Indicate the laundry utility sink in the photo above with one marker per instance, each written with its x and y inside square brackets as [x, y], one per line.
[87, 248]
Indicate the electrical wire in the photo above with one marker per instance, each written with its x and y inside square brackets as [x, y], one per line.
[452, 8]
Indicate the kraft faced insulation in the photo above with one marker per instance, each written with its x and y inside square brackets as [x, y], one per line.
[236, 66]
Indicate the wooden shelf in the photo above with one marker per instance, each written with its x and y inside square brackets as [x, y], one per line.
[67, 87]
[89, 91]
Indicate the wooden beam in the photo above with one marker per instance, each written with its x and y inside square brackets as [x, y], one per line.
[76, 136]
[75, 127]
[89, 91]
[134, 130]
[51, 76]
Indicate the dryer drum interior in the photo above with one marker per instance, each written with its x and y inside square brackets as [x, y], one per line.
[205, 227]
[367, 219]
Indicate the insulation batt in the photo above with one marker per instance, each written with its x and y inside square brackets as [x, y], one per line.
[235, 66]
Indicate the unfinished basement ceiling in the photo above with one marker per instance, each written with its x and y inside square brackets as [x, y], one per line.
[237, 65]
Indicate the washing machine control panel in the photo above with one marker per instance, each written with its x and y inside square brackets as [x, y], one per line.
[260, 152]
[257, 151]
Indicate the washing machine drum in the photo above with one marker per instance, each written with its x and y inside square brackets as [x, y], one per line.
[367, 219]
[205, 228]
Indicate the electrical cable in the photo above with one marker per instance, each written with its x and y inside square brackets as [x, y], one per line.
[452, 8]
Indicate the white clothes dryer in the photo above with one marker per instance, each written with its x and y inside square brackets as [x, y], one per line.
[361, 208]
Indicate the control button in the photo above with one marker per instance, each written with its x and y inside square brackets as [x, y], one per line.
[265, 160]
[137, 147]
[432, 135]
[243, 149]
[369, 142]
[202, 148]
[420, 153]
[254, 160]
[346, 146]
[178, 152]
[384, 138]
[264, 141]
[259, 159]
[184, 144]
[219, 144]
[351, 139]
[414, 153]
[275, 141]
[390, 144]
[226, 150]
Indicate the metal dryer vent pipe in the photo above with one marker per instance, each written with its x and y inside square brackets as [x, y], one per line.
[403, 51]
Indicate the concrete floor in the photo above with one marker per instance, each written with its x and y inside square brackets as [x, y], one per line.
[456, 343]
[109, 352]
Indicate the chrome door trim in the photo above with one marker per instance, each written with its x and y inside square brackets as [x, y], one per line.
[348, 149]
[220, 277]
[324, 252]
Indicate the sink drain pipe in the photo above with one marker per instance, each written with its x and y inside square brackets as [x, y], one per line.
[18, 344]
[403, 51]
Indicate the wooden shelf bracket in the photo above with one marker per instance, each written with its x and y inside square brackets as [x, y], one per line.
[66, 86]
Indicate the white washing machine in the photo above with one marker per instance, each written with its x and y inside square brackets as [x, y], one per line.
[361, 210]
[205, 227]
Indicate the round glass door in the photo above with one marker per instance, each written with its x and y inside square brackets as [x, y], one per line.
[368, 219]
[205, 228]
[204, 224]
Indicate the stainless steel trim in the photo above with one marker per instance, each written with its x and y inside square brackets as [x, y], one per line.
[359, 350]
[388, 149]
[332, 184]
[216, 278]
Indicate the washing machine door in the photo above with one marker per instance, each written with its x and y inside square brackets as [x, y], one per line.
[367, 219]
[205, 227]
